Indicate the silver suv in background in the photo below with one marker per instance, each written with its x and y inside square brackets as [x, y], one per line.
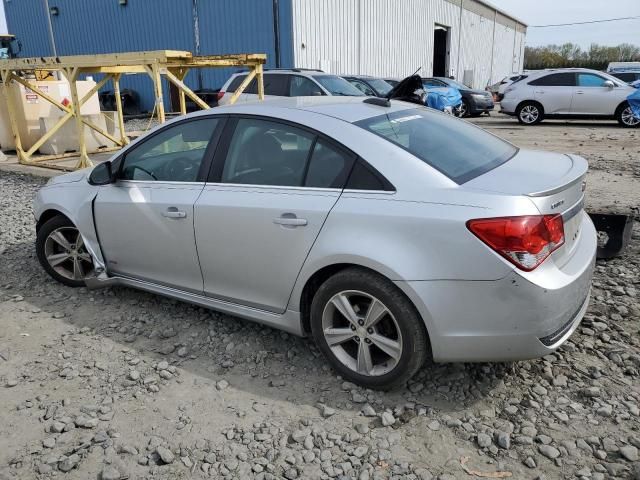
[296, 82]
[569, 93]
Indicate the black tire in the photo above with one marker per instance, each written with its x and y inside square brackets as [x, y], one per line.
[41, 238]
[622, 116]
[527, 107]
[415, 342]
[464, 110]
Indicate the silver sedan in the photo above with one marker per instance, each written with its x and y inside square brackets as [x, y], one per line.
[390, 233]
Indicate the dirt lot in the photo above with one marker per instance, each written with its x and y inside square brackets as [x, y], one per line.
[117, 383]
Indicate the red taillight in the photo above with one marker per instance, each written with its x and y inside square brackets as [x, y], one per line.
[219, 95]
[525, 241]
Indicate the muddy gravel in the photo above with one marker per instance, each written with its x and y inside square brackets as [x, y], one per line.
[118, 384]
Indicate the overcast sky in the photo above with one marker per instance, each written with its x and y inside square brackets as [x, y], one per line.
[544, 12]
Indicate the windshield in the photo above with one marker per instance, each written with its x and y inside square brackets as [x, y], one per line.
[456, 148]
[337, 85]
[380, 86]
[454, 84]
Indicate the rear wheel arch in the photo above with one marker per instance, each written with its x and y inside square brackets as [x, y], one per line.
[405, 327]
[314, 282]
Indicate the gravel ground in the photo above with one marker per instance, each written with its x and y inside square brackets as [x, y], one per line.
[118, 384]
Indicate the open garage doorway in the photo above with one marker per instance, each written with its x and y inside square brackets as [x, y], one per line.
[441, 39]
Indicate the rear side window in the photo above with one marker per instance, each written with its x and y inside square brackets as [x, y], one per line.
[328, 167]
[555, 80]
[456, 148]
[364, 177]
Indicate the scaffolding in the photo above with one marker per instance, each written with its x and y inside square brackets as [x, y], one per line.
[173, 65]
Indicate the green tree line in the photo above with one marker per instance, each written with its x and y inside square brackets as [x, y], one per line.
[572, 55]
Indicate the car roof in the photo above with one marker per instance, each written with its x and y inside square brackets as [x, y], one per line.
[289, 71]
[348, 109]
[364, 77]
[564, 70]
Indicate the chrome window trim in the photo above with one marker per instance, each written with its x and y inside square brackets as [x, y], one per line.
[271, 187]
[156, 182]
[378, 192]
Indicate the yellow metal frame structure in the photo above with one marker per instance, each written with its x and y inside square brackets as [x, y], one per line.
[173, 65]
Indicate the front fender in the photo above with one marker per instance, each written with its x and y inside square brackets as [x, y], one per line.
[74, 201]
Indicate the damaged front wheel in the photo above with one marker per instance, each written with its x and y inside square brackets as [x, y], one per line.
[62, 253]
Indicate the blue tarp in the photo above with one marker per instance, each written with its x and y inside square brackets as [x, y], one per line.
[634, 101]
[442, 97]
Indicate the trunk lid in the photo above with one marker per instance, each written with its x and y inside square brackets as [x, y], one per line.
[554, 182]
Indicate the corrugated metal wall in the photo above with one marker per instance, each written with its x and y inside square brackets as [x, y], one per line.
[27, 20]
[105, 26]
[377, 37]
[395, 37]
[475, 54]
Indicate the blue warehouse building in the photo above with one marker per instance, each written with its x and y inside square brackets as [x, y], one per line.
[203, 27]
[469, 40]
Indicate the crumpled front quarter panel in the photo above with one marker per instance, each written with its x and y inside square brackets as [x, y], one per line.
[75, 201]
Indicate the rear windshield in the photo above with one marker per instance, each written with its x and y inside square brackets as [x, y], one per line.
[337, 85]
[455, 147]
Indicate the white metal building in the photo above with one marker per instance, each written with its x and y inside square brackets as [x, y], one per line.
[470, 40]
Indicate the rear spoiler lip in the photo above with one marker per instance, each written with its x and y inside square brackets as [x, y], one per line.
[564, 186]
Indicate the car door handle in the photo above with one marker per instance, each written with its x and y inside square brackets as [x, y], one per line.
[290, 220]
[173, 212]
[579, 92]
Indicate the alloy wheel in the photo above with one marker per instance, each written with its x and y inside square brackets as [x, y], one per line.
[65, 252]
[529, 114]
[362, 333]
[628, 118]
[462, 110]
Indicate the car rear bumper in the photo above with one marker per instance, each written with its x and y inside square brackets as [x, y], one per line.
[518, 317]
[508, 106]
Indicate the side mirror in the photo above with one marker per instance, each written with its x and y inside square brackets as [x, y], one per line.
[609, 84]
[101, 174]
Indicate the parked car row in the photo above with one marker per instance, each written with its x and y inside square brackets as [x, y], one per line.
[530, 97]
[299, 82]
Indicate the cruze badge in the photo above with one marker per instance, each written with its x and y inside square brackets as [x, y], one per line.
[557, 204]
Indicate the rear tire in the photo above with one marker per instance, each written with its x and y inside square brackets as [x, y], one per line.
[61, 252]
[380, 315]
[529, 113]
[625, 117]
